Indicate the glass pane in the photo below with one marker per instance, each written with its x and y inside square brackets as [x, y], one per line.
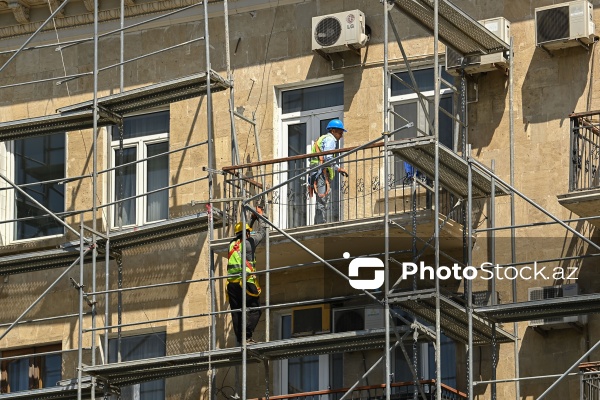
[52, 373]
[143, 125]
[448, 358]
[39, 159]
[296, 191]
[18, 375]
[303, 374]
[139, 348]
[157, 177]
[409, 112]
[312, 98]
[424, 79]
[446, 123]
[125, 182]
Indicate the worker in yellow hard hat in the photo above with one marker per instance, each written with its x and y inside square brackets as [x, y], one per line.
[234, 281]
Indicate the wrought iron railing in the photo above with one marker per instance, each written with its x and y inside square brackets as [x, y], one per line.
[589, 381]
[361, 195]
[399, 391]
[585, 151]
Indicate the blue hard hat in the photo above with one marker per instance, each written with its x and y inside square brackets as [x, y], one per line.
[336, 123]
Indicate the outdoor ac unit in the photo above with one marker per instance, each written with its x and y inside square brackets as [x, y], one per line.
[339, 32]
[357, 318]
[485, 63]
[564, 25]
[552, 292]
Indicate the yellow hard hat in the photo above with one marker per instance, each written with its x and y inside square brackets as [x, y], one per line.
[238, 228]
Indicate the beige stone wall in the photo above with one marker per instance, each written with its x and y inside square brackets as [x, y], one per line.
[270, 49]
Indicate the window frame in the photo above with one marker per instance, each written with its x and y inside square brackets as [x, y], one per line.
[34, 353]
[9, 229]
[141, 144]
[422, 128]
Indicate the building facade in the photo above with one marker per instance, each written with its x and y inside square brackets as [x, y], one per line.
[129, 152]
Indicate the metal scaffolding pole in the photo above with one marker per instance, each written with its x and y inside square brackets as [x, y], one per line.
[492, 241]
[468, 282]
[436, 194]
[386, 218]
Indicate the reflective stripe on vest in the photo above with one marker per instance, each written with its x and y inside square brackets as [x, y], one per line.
[314, 161]
[234, 266]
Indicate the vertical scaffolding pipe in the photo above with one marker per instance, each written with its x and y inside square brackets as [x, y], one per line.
[513, 242]
[235, 151]
[468, 282]
[492, 218]
[107, 287]
[122, 49]
[94, 190]
[436, 189]
[80, 333]
[386, 223]
[244, 305]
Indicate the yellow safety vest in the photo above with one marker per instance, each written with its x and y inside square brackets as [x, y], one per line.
[234, 267]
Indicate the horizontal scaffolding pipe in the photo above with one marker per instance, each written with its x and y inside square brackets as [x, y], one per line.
[486, 170]
[529, 378]
[34, 34]
[535, 224]
[221, 277]
[31, 321]
[52, 285]
[130, 26]
[42, 46]
[47, 353]
[73, 77]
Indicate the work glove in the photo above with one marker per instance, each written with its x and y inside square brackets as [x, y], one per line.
[343, 172]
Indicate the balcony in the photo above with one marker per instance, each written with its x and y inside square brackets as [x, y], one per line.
[584, 172]
[356, 205]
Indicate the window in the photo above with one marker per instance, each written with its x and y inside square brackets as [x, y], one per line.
[32, 160]
[305, 113]
[140, 347]
[35, 370]
[426, 362]
[144, 136]
[405, 102]
[302, 374]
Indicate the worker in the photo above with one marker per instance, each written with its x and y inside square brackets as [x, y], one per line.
[234, 281]
[320, 180]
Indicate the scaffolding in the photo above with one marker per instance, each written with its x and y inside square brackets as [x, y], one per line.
[441, 205]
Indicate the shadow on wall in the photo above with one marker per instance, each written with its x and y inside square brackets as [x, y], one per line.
[554, 84]
[491, 107]
[549, 354]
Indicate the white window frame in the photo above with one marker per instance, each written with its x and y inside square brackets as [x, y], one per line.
[281, 373]
[140, 143]
[8, 230]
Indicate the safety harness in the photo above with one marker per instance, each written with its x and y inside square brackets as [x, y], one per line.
[327, 172]
[234, 267]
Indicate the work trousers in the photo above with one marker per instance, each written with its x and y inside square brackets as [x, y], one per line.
[322, 199]
[234, 291]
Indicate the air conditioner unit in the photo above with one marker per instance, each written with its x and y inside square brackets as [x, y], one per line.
[552, 292]
[564, 25]
[310, 320]
[339, 32]
[485, 63]
[358, 318]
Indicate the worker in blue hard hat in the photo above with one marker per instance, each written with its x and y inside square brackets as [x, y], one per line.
[320, 180]
[245, 240]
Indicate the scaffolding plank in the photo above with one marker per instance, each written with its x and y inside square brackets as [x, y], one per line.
[540, 309]
[156, 95]
[68, 253]
[133, 372]
[50, 393]
[454, 321]
[453, 170]
[456, 29]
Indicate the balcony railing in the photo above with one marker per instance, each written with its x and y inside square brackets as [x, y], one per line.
[399, 390]
[585, 151]
[589, 381]
[359, 196]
